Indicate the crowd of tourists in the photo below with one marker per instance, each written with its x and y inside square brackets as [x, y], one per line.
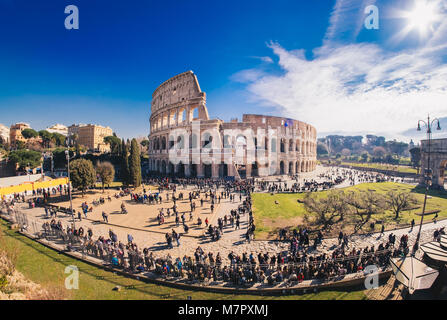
[300, 263]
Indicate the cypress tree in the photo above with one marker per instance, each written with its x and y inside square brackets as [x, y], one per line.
[124, 163]
[135, 164]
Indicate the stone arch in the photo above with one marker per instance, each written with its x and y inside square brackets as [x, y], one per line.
[163, 167]
[171, 168]
[173, 117]
[207, 140]
[163, 143]
[180, 170]
[290, 167]
[223, 170]
[194, 113]
[283, 145]
[255, 169]
[297, 167]
[290, 144]
[441, 179]
[193, 170]
[227, 143]
[207, 170]
[281, 167]
[180, 142]
[181, 117]
[164, 120]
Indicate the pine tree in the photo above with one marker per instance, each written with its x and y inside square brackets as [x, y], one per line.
[135, 164]
[124, 164]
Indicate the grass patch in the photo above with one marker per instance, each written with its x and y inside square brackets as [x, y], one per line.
[265, 210]
[46, 267]
[390, 167]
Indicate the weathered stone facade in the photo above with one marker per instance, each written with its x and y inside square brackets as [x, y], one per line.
[184, 141]
[438, 159]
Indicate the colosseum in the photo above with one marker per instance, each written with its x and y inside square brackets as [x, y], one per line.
[185, 142]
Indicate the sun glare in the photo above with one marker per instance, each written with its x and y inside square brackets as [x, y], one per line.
[422, 17]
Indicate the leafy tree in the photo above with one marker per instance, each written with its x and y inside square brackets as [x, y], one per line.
[365, 156]
[25, 158]
[73, 138]
[321, 149]
[106, 172]
[20, 145]
[82, 174]
[396, 147]
[379, 152]
[124, 164]
[46, 137]
[29, 133]
[114, 142]
[415, 157]
[135, 164]
[144, 143]
[346, 152]
[59, 157]
[59, 139]
[399, 201]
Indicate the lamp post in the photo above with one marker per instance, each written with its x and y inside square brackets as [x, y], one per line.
[428, 172]
[67, 156]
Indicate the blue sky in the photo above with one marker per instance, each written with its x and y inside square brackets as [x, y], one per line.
[310, 60]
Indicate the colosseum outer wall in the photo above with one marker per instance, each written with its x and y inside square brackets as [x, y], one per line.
[185, 142]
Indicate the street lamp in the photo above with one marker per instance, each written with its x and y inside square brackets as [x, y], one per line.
[67, 156]
[428, 172]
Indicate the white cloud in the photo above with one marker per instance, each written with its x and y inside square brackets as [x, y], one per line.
[265, 59]
[354, 88]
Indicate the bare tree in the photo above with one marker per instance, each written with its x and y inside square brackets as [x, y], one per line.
[328, 210]
[399, 201]
[364, 205]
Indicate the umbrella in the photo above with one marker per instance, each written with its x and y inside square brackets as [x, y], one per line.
[413, 273]
[435, 251]
[444, 241]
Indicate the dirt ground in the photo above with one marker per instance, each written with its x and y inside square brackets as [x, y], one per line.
[143, 216]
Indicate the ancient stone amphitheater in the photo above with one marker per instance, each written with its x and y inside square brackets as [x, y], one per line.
[185, 142]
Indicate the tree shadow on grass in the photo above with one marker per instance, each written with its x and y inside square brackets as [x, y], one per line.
[432, 192]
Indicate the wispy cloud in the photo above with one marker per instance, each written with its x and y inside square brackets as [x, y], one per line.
[354, 87]
[346, 20]
[265, 59]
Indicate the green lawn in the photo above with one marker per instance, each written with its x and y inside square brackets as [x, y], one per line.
[46, 267]
[397, 168]
[267, 213]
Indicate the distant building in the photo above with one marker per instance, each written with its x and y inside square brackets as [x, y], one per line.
[4, 134]
[58, 128]
[15, 132]
[90, 135]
